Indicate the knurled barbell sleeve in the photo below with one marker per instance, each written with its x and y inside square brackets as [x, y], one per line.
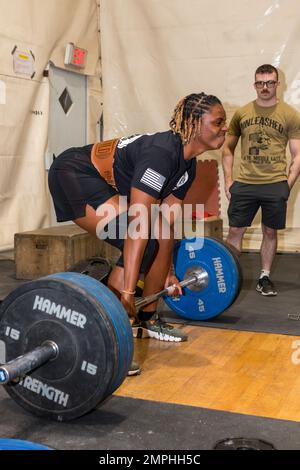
[31, 360]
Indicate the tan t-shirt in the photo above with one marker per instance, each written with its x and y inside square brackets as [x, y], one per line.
[265, 132]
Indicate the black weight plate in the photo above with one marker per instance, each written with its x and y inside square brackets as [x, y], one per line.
[95, 267]
[120, 326]
[241, 443]
[41, 331]
[65, 307]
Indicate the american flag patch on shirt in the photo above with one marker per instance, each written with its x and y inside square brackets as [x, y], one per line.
[153, 179]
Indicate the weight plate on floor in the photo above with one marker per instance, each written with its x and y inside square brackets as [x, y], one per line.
[78, 314]
[240, 443]
[17, 444]
[96, 267]
[223, 278]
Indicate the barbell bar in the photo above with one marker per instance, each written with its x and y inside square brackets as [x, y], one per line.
[196, 278]
[20, 366]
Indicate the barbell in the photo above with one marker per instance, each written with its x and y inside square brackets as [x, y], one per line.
[68, 340]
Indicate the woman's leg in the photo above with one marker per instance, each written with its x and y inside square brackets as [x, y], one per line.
[92, 222]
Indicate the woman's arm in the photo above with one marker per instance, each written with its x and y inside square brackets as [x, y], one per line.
[157, 275]
[139, 230]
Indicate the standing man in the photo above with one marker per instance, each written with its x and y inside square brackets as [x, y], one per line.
[265, 126]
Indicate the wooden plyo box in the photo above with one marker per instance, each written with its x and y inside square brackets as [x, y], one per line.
[54, 249]
[213, 227]
[209, 227]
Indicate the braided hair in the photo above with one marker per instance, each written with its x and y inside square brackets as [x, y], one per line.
[186, 119]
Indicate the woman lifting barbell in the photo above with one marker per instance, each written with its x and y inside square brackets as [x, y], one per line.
[99, 187]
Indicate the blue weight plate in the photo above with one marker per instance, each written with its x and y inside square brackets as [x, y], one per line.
[17, 444]
[223, 278]
[235, 255]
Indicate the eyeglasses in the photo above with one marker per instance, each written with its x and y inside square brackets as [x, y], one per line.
[269, 84]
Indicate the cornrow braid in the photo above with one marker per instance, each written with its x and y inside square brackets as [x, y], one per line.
[186, 119]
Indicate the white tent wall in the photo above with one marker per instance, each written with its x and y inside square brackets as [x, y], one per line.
[154, 52]
[43, 27]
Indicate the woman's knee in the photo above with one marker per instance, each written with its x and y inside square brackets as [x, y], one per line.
[96, 220]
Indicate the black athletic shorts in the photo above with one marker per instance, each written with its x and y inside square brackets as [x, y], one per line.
[246, 199]
[74, 182]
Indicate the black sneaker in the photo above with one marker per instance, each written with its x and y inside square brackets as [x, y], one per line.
[265, 286]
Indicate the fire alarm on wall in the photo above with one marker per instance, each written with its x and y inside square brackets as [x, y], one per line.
[75, 56]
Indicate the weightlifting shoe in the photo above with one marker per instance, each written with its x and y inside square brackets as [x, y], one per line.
[157, 329]
[134, 369]
[266, 287]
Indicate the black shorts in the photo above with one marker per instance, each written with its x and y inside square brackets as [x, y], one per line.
[74, 182]
[246, 199]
